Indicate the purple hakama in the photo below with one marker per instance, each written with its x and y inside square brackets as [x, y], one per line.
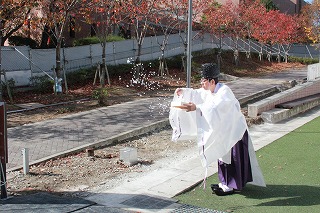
[238, 173]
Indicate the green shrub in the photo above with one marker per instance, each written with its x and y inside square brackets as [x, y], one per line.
[303, 60]
[95, 40]
[152, 63]
[197, 77]
[80, 77]
[254, 55]
[83, 76]
[206, 52]
[111, 38]
[101, 94]
[174, 62]
[66, 109]
[42, 84]
[11, 84]
[86, 41]
[119, 69]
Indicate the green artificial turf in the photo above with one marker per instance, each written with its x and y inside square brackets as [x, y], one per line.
[291, 168]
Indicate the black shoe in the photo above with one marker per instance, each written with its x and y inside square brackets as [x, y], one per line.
[214, 186]
[220, 192]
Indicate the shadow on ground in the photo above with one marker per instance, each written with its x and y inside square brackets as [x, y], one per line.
[284, 195]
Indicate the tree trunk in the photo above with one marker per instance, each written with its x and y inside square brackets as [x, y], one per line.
[184, 63]
[184, 57]
[278, 54]
[64, 72]
[261, 53]
[236, 52]
[58, 59]
[102, 69]
[236, 57]
[58, 73]
[137, 63]
[163, 68]
[248, 53]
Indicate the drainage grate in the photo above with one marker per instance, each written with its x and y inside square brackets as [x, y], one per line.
[193, 209]
[147, 202]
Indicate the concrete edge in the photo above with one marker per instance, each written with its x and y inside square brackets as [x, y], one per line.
[105, 142]
[258, 95]
[290, 94]
[276, 115]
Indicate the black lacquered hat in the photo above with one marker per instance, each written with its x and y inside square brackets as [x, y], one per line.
[209, 71]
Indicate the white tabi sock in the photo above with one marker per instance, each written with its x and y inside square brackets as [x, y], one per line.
[225, 188]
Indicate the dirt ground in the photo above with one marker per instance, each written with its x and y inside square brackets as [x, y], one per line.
[79, 173]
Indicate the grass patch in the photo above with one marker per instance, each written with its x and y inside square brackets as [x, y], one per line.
[291, 169]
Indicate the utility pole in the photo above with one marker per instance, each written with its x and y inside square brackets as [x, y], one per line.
[3, 132]
[0, 50]
[189, 51]
[3, 151]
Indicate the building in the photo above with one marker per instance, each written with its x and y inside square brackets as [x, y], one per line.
[285, 6]
[289, 6]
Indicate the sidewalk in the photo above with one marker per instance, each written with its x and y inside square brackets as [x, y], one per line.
[152, 192]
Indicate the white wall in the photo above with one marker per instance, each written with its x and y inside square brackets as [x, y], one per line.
[313, 71]
[21, 63]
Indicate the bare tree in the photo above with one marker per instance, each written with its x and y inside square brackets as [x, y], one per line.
[103, 16]
[55, 17]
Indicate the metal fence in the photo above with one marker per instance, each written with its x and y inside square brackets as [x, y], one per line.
[21, 63]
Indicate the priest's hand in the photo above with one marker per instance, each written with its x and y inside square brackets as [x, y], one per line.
[189, 107]
[179, 91]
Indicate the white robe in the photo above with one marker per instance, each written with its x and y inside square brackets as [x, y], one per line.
[217, 124]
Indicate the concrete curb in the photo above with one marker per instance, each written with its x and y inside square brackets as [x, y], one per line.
[258, 96]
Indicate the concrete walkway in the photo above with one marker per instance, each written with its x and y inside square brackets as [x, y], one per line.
[153, 191]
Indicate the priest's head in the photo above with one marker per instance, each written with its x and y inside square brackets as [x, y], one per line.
[210, 76]
[210, 71]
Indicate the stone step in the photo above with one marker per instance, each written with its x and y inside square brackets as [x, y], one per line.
[298, 102]
[290, 109]
[244, 101]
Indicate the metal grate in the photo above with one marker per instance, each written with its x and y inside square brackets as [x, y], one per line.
[193, 209]
[147, 202]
